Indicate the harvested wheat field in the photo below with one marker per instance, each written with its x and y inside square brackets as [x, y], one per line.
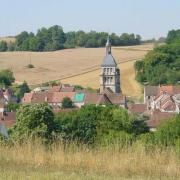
[74, 66]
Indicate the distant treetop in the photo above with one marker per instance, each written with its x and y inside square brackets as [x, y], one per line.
[54, 38]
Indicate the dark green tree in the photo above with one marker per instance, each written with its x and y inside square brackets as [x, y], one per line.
[6, 78]
[3, 46]
[67, 103]
[20, 90]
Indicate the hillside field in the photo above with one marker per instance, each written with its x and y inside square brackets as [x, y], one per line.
[75, 66]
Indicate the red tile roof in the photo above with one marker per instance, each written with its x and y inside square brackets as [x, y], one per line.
[2, 105]
[59, 96]
[68, 89]
[158, 117]
[138, 108]
[55, 89]
[8, 119]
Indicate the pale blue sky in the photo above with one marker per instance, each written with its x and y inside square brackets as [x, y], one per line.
[149, 18]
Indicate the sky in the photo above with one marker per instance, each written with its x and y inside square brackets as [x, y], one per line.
[149, 18]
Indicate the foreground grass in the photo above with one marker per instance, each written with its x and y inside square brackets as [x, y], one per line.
[34, 161]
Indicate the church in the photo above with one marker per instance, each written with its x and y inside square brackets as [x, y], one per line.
[110, 89]
[110, 73]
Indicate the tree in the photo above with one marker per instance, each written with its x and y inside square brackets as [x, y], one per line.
[13, 106]
[3, 46]
[20, 90]
[80, 126]
[67, 103]
[161, 65]
[173, 36]
[168, 133]
[6, 78]
[34, 121]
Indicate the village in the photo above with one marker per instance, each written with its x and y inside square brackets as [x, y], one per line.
[159, 103]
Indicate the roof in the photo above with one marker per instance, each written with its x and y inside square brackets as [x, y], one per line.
[117, 98]
[157, 118]
[103, 99]
[79, 97]
[155, 90]
[59, 96]
[109, 61]
[8, 119]
[107, 90]
[151, 90]
[55, 89]
[167, 89]
[2, 105]
[94, 98]
[67, 89]
[87, 98]
[138, 108]
[91, 98]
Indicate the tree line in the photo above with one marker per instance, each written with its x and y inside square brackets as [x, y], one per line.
[54, 38]
[162, 65]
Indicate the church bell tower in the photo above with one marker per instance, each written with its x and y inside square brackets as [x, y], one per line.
[110, 73]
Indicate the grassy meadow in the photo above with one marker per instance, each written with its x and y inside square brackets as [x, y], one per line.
[34, 161]
[75, 66]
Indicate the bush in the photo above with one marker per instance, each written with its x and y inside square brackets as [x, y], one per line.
[67, 103]
[30, 66]
[118, 139]
[169, 132]
[93, 124]
[34, 121]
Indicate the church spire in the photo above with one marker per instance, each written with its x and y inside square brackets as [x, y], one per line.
[108, 46]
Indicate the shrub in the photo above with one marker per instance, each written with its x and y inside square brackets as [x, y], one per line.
[169, 132]
[34, 121]
[30, 66]
[67, 103]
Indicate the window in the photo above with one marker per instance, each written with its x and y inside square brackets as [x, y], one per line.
[111, 70]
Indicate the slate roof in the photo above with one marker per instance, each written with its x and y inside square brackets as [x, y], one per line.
[109, 61]
[151, 90]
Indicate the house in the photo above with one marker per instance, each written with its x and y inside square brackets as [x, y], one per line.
[78, 98]
[162, 98]
[156, 118]
[6, 96]
[7, 119]
[160, 103]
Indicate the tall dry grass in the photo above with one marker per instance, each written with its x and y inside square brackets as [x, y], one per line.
[34, 161]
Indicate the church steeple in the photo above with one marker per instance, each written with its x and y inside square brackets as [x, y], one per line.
[110, 73]
[108, 46]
